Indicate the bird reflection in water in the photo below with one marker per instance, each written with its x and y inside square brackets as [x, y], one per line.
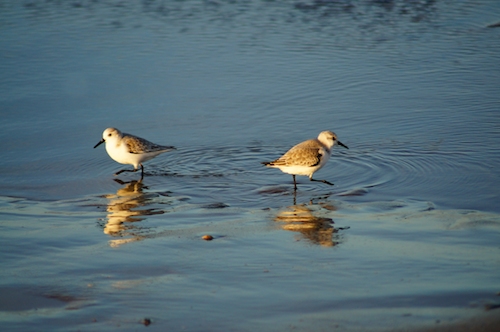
[124, 209]
[316, 229]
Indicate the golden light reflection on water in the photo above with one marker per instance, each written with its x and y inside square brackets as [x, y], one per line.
[307, 221]
[125, 208]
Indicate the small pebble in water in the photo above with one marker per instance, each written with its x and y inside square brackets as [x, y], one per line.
[207, 237]
[146, 321]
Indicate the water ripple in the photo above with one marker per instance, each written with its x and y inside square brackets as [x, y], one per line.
[398, 168]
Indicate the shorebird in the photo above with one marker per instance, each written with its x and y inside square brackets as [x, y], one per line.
[307, 157]
[130, 149]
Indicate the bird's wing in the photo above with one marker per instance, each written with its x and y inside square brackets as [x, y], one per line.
[307, 153]
[136, 144]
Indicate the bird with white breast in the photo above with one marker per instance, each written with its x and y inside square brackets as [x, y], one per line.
[129, 149]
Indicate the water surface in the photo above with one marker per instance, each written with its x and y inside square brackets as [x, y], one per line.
[406, 238]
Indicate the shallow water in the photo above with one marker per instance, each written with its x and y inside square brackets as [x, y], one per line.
[407, 237]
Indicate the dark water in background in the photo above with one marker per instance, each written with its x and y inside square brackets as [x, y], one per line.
[412, 87]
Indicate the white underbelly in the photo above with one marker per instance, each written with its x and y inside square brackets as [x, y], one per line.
[124, 157]
[299, 170]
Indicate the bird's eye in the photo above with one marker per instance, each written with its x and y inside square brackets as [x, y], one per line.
[109, 135]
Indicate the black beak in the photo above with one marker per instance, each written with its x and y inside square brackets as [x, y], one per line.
[340, 143]
[100, 142]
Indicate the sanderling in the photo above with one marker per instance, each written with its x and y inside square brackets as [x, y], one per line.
[307, 157]
[130, 149]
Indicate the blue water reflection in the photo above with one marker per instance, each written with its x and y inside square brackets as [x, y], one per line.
[410, 86]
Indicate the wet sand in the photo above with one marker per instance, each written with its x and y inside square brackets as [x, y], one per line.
[486, 322]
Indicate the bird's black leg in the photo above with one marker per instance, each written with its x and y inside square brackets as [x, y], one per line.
[142, 172]
[126, 170]
[294, 182]
[324, 181]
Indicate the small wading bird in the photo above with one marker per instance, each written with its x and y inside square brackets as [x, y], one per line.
[130, 149]
[307, 157]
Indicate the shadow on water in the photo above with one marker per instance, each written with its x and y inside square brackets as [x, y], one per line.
[133, 204]
[308, 222]
[126, 209]
[416, 11]
[362, 19]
